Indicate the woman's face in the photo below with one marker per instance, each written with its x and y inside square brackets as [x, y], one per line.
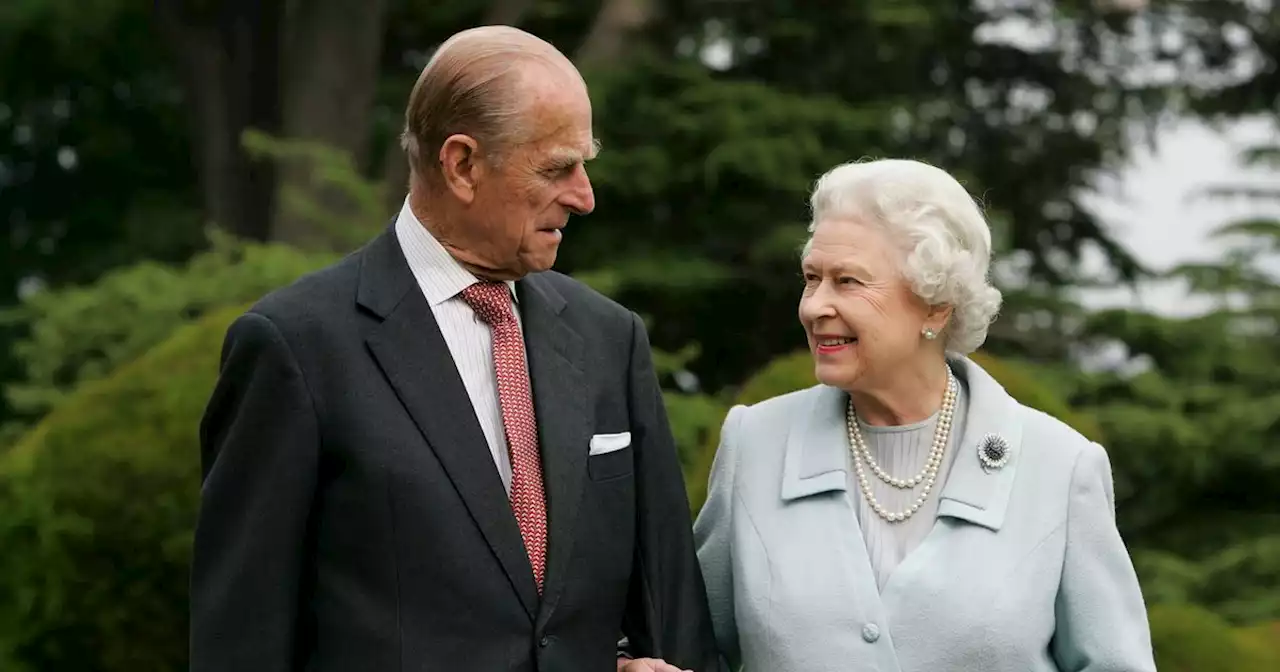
[862, 320]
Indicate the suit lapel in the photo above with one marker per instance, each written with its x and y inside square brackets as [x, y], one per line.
[817, 453]
[413, 355]
[972, 493]
[816, 462]
[564, 429]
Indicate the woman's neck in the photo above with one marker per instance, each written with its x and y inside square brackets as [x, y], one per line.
[914, 393]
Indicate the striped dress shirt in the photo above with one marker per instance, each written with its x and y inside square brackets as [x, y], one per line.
[470, 339]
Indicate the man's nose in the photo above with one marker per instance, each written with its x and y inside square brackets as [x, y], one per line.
[580, 198]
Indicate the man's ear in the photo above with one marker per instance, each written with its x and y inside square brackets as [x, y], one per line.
[460, 166]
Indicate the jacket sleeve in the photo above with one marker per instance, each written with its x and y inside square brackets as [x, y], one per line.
[259, 444]
[666, 615]
[1101, 618]
[713, 533]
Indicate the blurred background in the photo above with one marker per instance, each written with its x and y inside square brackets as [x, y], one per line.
[163, 164]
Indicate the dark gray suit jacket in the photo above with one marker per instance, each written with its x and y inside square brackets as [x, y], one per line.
[352, 517]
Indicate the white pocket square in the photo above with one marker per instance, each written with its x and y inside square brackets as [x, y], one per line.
[607, 443]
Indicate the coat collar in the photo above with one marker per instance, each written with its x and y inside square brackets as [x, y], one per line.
[439, 275]
[817, 450]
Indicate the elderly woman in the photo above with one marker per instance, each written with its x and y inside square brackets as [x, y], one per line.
[907, 514]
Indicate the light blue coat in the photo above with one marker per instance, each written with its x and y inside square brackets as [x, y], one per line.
[1023, 571]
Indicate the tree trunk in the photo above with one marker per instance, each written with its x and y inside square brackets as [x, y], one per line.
[331, 64]
[229, 65]
[507, 12]
[395, 177]
[612, 34]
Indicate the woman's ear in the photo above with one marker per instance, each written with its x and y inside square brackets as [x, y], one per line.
[939, 317]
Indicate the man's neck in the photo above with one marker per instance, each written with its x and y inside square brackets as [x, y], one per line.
[436, 218]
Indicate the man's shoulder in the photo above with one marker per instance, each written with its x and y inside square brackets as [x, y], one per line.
[582, 297]
[315, 295]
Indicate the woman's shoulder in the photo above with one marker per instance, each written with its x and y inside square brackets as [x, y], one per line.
[1045, 439]
[1052, 433]
[766, 424]
[778, 411]
[1060, 450]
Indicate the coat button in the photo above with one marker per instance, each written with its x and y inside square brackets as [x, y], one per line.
[870, 632]
[544, 641]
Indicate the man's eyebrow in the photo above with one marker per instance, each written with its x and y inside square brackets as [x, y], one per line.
[567, 157]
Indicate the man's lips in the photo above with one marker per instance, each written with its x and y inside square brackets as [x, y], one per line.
[555, 230]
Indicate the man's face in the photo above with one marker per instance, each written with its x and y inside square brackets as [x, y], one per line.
[522, 203]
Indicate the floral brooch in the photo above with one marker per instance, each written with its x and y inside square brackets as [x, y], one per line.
[993, 452]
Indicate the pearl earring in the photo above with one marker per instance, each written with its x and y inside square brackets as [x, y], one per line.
[930, 333]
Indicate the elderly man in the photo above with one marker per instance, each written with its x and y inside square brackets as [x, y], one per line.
[437, 454]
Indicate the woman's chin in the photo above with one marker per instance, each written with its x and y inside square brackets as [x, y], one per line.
[835, 374]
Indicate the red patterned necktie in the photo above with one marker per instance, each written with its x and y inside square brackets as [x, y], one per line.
[492, 302]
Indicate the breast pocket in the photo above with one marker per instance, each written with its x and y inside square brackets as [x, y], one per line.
[610, 456]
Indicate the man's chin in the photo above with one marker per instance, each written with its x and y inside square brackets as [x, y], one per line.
[537, 263]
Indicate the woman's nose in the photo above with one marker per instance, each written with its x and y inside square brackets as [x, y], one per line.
[815, 305]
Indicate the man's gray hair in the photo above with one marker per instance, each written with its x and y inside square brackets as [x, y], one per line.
[944, 237]
[472, 85]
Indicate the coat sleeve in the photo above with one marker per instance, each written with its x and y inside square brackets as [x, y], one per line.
[712, 534]
[259, 444]
[666, 615]
[1101, 618]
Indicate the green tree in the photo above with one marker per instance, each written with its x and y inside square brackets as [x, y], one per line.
[1195, 422]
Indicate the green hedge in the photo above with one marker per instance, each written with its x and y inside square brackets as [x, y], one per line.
[1191, 639]
[97, 507]
[81, 333]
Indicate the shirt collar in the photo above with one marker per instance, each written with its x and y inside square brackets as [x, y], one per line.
[439, 275]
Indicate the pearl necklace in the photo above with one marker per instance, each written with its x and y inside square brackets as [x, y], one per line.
[928, 475]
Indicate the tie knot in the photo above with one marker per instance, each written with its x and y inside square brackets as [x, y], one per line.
[491, 301]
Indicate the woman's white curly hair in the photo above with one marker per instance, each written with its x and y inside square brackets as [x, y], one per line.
[943, 234]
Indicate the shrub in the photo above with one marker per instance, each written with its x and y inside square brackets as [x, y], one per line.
[1191, 639]
[81, 333]
[97, 507]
